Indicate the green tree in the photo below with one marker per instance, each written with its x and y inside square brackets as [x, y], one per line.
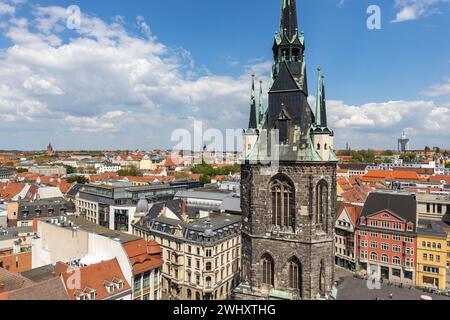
[408, 157]
[447, 165]
[130, 172]
[22, 170]
[70, 169]
[207, 169]
[205, 180]
[78, 179]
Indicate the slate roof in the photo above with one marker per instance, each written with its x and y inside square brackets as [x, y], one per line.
[74, 190]
[403, 205]
[432, 228]
[27, 210]
[40, 274]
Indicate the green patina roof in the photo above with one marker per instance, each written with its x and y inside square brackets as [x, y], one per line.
[303, 151]
[281, 294]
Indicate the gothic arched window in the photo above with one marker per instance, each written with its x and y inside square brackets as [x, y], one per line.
[295, 274]
[322, 204]
[267, 270]
[283, 202]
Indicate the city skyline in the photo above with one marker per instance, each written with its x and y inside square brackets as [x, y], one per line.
[162, 77]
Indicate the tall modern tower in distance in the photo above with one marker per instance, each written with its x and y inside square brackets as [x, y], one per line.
[288, 182]
[403, 143]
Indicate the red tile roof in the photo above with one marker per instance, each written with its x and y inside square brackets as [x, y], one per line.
[171, 162]
[144, 256]
[94, 277]
[440, 178]
[103, 177]
[11, 190]
[353, 211]
[384, 175]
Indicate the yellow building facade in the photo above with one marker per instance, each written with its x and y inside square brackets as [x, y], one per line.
[432, 257]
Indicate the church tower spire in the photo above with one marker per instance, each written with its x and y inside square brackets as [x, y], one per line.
[318, 98]
[289, 23]
[261, 105]
[288, 184]
[321, 106]
[253, 123]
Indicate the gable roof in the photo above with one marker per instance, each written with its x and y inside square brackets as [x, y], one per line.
[11, 190]
[52, 289]
[353, 212]
[95, 277]
[403, 205]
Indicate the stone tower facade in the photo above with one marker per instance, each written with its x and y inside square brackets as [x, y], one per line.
[288, 184]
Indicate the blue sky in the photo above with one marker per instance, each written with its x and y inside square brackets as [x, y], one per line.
[378, 81]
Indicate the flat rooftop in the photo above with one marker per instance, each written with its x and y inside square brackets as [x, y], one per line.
[94, 228]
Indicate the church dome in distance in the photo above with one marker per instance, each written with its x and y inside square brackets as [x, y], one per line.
[142, 206]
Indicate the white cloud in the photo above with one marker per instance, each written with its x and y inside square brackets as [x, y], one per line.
[72, 87]
[105, 87]
[415, 9]
[438, 90]
[6, 8]
[380, 124]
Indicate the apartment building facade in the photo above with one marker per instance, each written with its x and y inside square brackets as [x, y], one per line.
[386, 237]
[346, 222]
[432, 251]
[202, 256]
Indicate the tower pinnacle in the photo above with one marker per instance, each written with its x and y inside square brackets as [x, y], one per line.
[253, 122]
[261, 106]
[288, 23]
[319, 98]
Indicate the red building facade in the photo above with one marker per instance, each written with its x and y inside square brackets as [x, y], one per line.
[386, 237]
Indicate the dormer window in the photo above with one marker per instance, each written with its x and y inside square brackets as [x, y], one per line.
[109, 286]
[80, 296]
[118, 283]
[362, 221]
[91, 294]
